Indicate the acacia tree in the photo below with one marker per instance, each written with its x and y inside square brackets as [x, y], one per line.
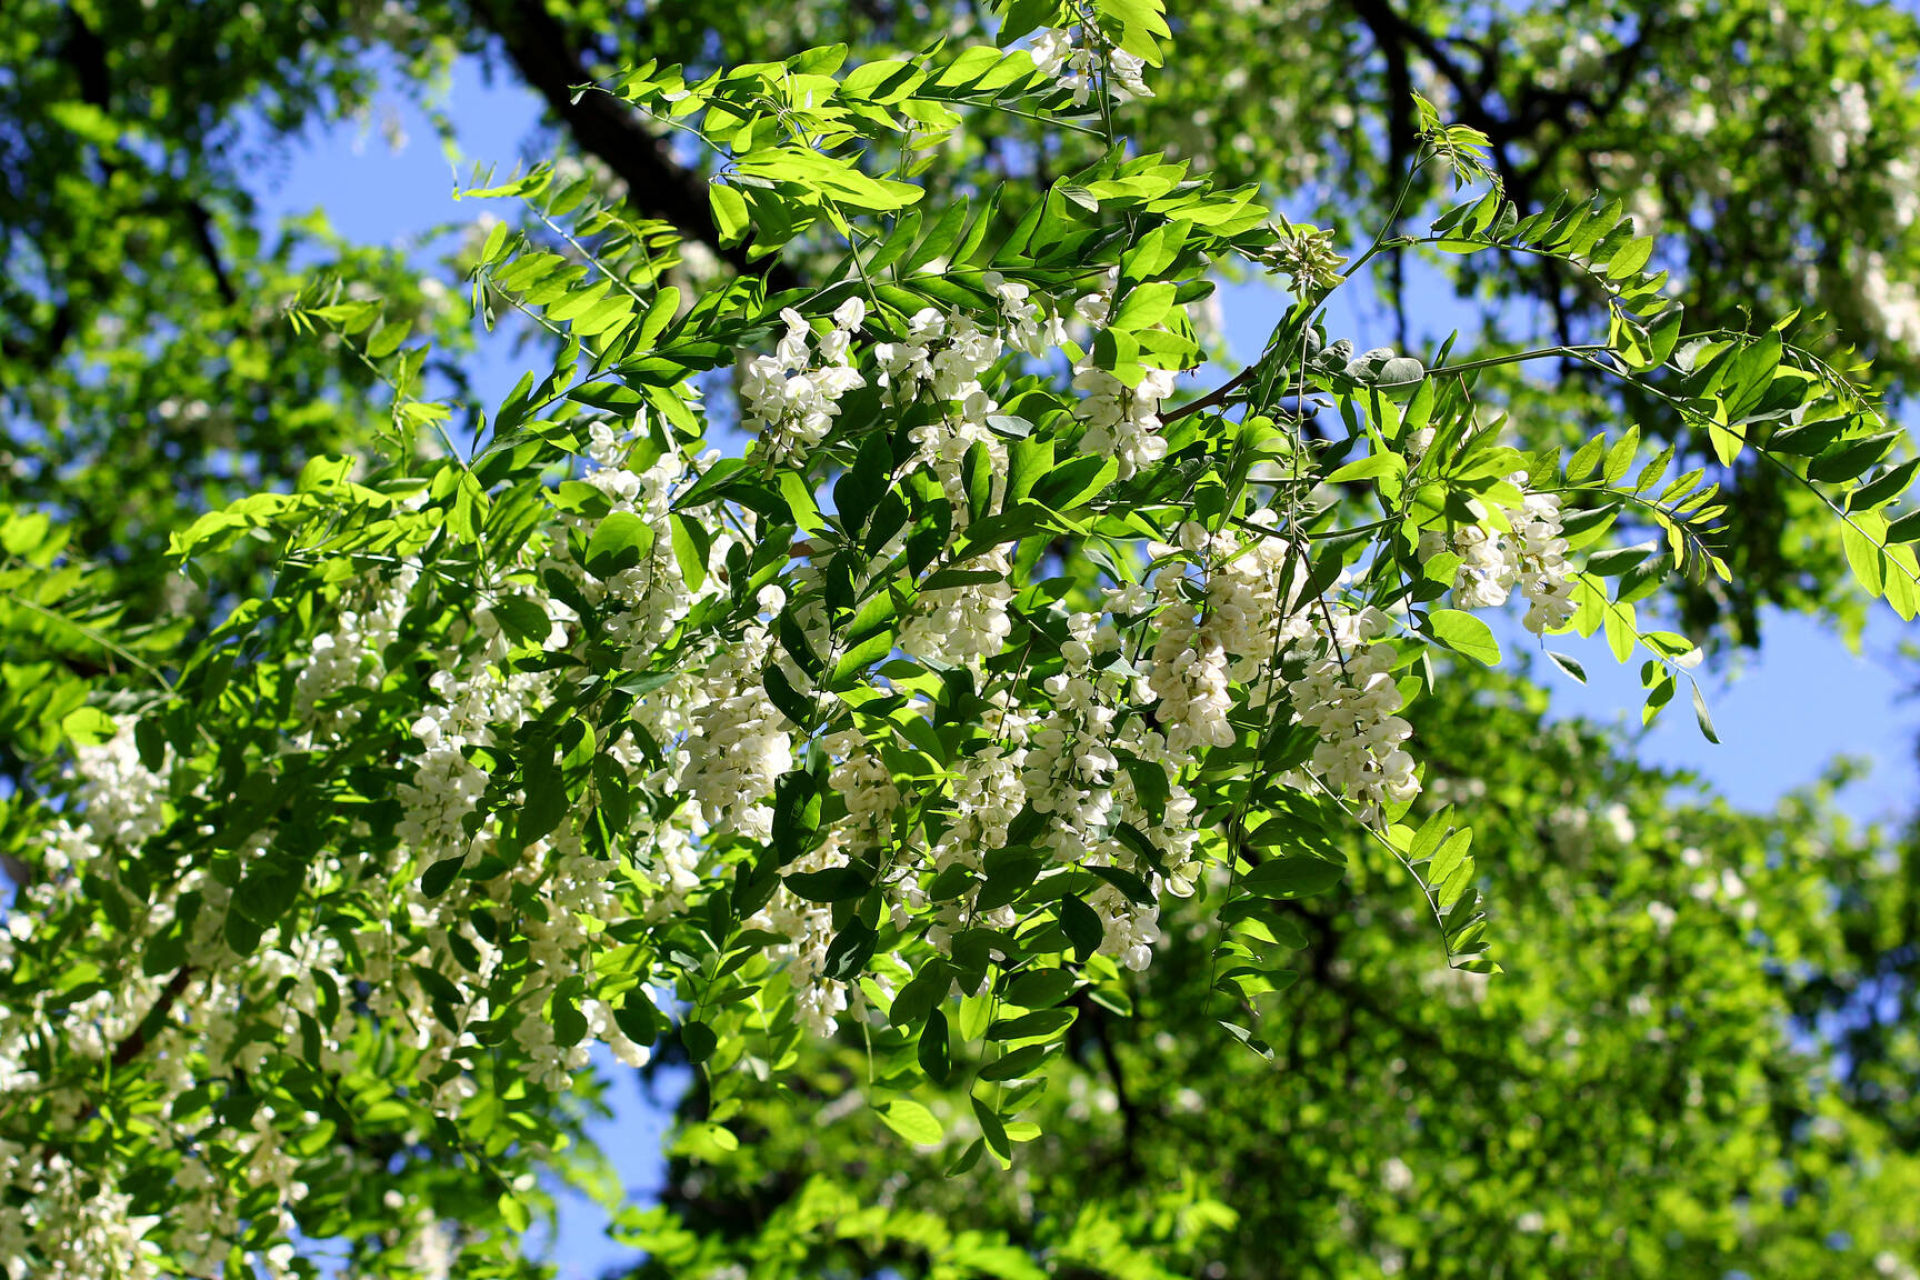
[909, 713]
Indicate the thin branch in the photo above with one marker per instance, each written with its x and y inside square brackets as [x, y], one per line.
[200, 222]
[1218, 395]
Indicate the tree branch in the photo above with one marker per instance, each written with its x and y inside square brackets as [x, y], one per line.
[1219, 395]
[200, 222]
[136, 1040]
[657, 184]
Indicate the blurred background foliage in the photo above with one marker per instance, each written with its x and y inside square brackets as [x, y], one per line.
[1703, 1056]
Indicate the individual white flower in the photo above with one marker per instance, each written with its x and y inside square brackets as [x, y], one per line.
[850, 315]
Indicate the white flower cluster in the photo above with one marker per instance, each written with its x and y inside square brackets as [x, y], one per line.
[808, 926]
[950, 355]
[1080, 754]
[963, 624]
[1890, 307]
[1123, 422]
[1058, 53]
[1350, 699]
[1840, 124]
[987, 794]
[121, 799]
[1069, 766]
[1253, 619]
[796, 391]
[1189, 677]
[738, 742]
[1530, 555]
[80, 1226]
[1246, 625]
[349, 655]
[476, 703]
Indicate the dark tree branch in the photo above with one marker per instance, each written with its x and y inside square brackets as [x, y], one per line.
[657, 184]
[1400, 144]
[1099, 1028]
[1394, 35]
[136, 1040]
[200, 222]
[86, 53]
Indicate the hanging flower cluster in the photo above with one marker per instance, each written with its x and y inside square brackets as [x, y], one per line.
[909, 717]
[1079, 62]
[1528, 554]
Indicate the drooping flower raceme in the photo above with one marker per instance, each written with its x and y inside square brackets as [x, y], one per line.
[796, 391]
[1530, 554]
[1068, 58]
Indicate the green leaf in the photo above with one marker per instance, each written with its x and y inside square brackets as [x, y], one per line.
[835, 884]
[1808, 438]
[619, 543]
[1028, 461]
[851, 948]
[1611, 564]
[992, 1129]
[546, 795]
[1864, 556]
[729, 214]
[1040, 988]
[939, 239]
[1883, 488]
[1025, 16]
[976, 472]
[1586, 458]
[935, 1050]
[637, 1019]
[1154, 252]
[1144, 306]
[1374, 464]
[569, 1024]
[1569, 665]
[1018, 1064]
[523, 619]
[796, 814]
[857, 492]
[794, 705]
[968, 1158]
[1629, 258]
[799, 497]
[438, 877]
[1297, 876]
[1850, 458]
[692, 544]
[89, 726]
[699, 1039]
[711, 482]
[923, 994]
[912, 1121]
[1083, 927]
[1029, 1026]
[1465, 634]
[1620, 457]
[1701, 717]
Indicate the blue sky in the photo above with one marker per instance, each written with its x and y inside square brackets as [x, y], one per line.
[1782, 714]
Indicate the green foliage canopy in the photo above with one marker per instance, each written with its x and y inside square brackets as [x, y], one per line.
[996, 653]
